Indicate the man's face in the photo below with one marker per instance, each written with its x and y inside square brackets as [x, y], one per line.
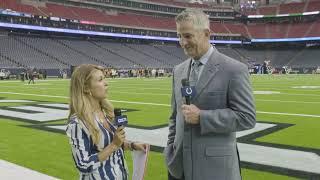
[192, 40]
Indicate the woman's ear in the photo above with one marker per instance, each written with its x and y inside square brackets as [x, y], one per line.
[207, 33]
[87, 90]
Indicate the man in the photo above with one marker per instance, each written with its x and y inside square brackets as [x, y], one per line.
[202, 136]
[32, 75]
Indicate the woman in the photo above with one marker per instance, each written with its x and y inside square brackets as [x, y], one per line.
[97, 146]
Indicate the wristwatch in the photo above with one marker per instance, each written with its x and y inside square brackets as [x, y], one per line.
[131, 146]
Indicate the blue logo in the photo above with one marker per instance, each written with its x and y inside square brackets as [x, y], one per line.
[188, 91]
[121, 120]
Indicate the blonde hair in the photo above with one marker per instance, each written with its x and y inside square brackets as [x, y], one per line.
[81, 100]
[199, 19]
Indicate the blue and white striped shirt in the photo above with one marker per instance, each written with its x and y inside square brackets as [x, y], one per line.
[85, 153]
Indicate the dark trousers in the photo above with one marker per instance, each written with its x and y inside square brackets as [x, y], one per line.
[31, 80]
[170, 177]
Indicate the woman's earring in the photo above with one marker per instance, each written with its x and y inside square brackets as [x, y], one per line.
[90, 93]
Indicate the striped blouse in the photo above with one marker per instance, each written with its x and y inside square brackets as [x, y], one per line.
[85, 153]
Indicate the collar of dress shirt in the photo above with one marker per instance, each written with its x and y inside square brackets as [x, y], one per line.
[204, 59]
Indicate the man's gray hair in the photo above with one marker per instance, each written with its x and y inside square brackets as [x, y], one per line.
[199, 19]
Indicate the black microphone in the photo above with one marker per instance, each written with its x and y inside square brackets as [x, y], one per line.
[120, 120]
[185, 84]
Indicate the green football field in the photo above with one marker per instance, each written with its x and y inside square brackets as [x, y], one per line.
[289, 101]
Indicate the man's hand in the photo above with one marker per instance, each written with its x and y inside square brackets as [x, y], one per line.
[191, 113]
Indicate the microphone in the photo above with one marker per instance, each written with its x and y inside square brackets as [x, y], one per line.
[120, 120]
[187, 91]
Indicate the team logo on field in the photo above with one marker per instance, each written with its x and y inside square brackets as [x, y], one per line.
[281, 159]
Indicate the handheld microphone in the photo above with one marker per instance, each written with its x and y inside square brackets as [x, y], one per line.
[187, 91]
[120, 120]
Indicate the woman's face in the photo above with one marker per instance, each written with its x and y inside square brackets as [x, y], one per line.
[98, 85]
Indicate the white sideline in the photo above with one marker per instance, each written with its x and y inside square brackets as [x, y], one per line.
[14, 101]
[14, 172]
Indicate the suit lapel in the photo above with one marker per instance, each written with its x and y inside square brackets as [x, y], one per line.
[183, 72]
[209, 71]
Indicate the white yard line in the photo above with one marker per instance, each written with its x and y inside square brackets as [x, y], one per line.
[39, 95]
[167, 105]
[289, 114]
[19, 81]
[281, 101]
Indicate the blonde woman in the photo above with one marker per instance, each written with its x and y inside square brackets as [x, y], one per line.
[97, 146]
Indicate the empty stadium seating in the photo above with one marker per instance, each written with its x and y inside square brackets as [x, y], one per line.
[61, 53]
[271, 10]
[314, 29]
[282, 30]
[305, 58]
[57, 53]
[288, 8]
[313, 5]
[291, 8]
[172, 2]
[5, 63]
[277, 30]
[237, 28]
[12, 4]
[27, 55]
[257, 30]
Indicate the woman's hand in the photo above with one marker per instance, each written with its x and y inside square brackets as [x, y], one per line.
[119, 137]
[140, 146]
[118, 140]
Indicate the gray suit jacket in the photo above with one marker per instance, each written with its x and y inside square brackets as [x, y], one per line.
[208, 151]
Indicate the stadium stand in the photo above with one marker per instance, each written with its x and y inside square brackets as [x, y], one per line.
[313, 5]
[183, 4]
[5, 63]
[27, 55]
[58, 53]
[291, 8]
[254, 30]
[270, 10]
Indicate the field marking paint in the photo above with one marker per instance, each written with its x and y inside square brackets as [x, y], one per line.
[276, 157]
[155, 94]
[258, 154]
[39, 95]
[280, 101]
[37, 84]
[306, 87]
[15, 101]
[145, 103]
[159, 137]
[266, 92]
[294, 94]
[167, 105]
[41, 114]
[39, 81]
[14, 172]
[289, 114]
